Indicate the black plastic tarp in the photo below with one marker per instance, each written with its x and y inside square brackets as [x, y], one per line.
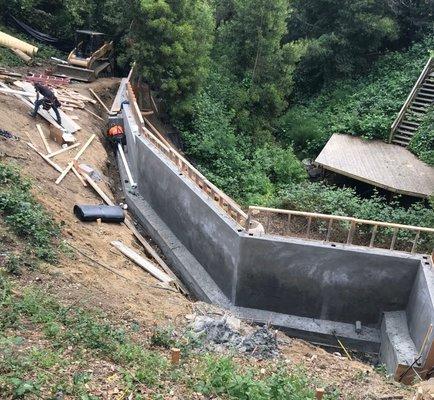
[88, 213]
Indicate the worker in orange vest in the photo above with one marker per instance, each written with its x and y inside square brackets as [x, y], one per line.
[115, 136]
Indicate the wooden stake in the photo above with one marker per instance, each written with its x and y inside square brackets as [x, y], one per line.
[100, 101]
[319, 393]
[78, 155]
[150, 250]
[175, 355]
[44, 139]
[56, 153]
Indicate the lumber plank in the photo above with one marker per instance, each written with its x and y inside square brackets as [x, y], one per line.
[142, 262]
[149, 249]
[77, 156]
[80, 178]
[95, 187]
[92, 113]
[100, 101]
[54, 165]
[56, 153]
[44, 139]
[67, 123]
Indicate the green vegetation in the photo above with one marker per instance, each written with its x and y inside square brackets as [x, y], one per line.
[26, 218]
[223, 377]
[422, 143]
[255, 86]
[9, 59]
[71, 341]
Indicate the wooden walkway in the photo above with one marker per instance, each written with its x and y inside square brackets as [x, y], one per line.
[380, 164]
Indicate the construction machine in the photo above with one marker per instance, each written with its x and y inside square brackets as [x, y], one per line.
[92, 56]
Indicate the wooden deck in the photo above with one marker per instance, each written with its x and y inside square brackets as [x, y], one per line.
[380, 164]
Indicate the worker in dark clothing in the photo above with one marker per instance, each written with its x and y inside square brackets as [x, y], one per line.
[49, 100]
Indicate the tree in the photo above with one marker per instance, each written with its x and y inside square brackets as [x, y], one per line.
[344, 37]
[249, 45]
[170, 40]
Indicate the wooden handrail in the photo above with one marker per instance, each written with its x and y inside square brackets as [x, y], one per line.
[410, 98]
[342, 218]
[352, 229]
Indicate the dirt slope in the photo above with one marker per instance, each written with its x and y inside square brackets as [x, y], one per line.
[135, 296]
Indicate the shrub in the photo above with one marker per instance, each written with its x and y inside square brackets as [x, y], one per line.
[24, 215]
[422, 143]
[365, 105]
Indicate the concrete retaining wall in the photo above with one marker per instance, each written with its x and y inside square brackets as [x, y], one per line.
[420, 309]
[309, 282]
[322, 282]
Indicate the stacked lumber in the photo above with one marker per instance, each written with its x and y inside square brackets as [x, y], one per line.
[72, 99]
[425, 390]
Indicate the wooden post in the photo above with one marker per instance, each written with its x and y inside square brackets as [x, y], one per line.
[267, 226]
[319, 393]
[395, 234]
[309, 223]
[329, 230]
[351, 232]
[374, 233]
[288, 222]
[416, 239]
[175, 355]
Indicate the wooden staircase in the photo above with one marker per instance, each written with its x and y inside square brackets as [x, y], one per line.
[415, 107]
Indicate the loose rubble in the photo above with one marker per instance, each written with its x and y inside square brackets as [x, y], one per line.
[225, 333]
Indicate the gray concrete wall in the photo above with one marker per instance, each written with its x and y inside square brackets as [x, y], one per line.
[191, 215]
[291, 278]
[420, 309]
[322, 282]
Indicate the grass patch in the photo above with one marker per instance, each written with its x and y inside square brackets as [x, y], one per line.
[26, 218]
[221, 377]
[50, 366]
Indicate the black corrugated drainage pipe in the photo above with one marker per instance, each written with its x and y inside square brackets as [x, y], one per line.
[106, 213]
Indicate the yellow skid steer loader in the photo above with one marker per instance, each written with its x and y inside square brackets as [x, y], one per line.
[92, 56]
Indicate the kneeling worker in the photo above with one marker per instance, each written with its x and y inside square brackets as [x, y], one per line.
[49, 100]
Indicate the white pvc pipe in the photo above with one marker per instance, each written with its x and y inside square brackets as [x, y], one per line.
[127, 168]
[14, 43]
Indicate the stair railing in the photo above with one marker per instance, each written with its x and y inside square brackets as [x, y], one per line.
[410, 98]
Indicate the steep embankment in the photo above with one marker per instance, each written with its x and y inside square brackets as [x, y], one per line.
[78, 330]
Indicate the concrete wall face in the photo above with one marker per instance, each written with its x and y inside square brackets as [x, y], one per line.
[190, 215]
[322, 282]
[420, 309]
[295, 280]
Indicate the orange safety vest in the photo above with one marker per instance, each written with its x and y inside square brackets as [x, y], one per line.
[115, 130]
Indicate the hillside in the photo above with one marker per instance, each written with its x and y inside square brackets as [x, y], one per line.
[93, 325]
